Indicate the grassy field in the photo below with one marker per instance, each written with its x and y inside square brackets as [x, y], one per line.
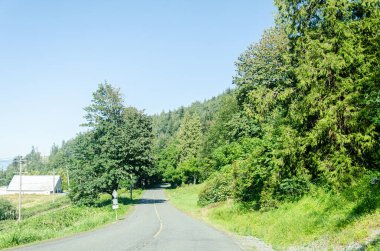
[30, 200]
[43, 219]
[320, 220]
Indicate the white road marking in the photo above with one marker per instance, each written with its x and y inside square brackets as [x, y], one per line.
[159, 218]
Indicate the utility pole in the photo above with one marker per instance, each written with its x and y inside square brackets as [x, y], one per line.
[19, 192]
[68, 179]
[53, 184]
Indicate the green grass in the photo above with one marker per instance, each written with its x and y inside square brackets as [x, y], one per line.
[185, 198]
[29, 200]
[46, 220]
[321, 218]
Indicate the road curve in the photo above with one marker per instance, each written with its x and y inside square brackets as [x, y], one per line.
[154, 225]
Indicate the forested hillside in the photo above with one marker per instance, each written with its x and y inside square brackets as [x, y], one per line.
[304, 112]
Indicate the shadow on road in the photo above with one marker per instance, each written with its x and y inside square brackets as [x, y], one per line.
[150, 201]
[127, 201]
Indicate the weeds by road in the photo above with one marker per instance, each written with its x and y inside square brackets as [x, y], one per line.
[45, 220]
[320, 220]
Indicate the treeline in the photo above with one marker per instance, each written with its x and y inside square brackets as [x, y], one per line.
[305, 111]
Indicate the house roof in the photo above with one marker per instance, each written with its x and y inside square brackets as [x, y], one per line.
[34, 182]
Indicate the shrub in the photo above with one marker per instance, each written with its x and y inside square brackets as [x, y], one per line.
[251, 179]
[7, 210]
[217, 188]
[293, 188]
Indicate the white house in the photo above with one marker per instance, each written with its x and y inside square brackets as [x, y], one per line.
[35, 184]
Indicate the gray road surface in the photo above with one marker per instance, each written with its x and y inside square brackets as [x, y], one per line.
[154, 225]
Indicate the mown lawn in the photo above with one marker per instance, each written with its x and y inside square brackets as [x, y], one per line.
[44, 219]
[320, 220]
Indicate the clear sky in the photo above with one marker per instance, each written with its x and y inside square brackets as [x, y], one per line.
[161, 53]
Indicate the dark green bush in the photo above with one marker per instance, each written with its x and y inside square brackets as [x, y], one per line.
[7, 210]
[293, 188]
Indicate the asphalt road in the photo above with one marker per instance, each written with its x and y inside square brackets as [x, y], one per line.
[154, 225]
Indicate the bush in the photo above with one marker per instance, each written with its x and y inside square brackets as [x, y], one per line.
[252, 178]
[7, 210]
[217, 188]
[293, 188]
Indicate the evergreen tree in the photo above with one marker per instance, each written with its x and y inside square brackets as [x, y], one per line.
[189, 137]
[334, 50]
[189, 142]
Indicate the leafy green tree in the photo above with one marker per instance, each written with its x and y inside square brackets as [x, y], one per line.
[173, 175]
[190, 170]
[167, 163]
[118, 144]
[84, 171]
[136, 147]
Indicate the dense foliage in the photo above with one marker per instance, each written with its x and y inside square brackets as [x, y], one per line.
[305, 110]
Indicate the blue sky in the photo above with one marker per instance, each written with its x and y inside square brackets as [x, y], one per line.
[162, 54]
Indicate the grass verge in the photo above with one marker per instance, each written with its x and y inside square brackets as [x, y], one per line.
[47, 220]
[320, 220]
[185, 198]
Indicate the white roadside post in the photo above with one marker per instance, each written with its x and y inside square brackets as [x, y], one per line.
[115, 204]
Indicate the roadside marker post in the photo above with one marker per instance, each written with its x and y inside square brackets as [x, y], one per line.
[115, 203]
[114, 194]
